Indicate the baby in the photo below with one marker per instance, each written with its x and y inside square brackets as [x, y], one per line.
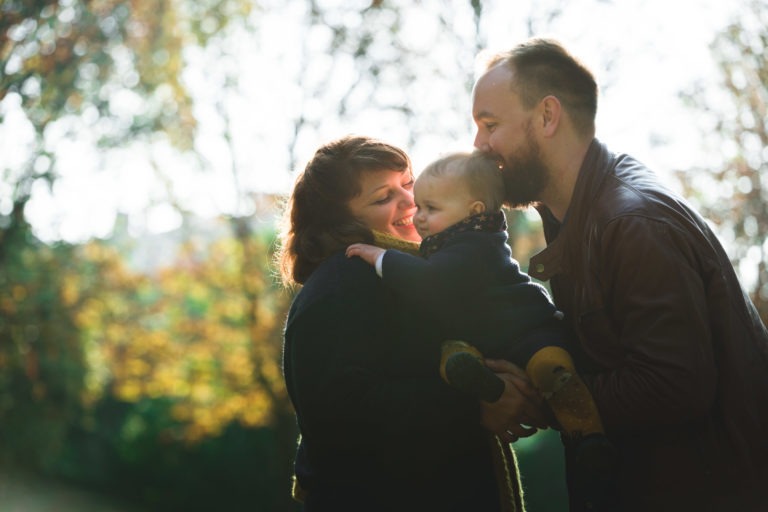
[468, 281]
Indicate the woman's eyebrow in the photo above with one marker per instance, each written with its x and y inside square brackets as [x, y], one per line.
[374, 190]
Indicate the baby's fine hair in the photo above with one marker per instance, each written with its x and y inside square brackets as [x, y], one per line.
[479, 172]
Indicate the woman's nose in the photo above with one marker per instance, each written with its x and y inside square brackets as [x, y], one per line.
[406, 201]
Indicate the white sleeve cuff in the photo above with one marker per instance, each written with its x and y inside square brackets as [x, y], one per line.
[379, 261]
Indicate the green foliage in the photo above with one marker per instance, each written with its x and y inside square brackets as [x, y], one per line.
[125, 449]
[204, 332]
[165, 387]
[41, 361]
[542, 470]
[525, 235]
[186, 406]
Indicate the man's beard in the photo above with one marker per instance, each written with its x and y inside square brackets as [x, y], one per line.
[525, 175]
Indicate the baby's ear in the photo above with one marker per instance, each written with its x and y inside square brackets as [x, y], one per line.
[476, 207]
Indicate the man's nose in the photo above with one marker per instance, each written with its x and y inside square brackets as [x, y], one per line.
[481, 142]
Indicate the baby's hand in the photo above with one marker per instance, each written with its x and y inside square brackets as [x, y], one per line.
[369, 253]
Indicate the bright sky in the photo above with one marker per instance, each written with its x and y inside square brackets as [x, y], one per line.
[658, 47]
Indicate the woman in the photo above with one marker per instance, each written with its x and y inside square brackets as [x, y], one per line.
[378, 431]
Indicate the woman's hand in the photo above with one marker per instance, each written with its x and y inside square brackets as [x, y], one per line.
[520, 411]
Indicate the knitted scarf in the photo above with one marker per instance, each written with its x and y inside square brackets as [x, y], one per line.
[387, 241]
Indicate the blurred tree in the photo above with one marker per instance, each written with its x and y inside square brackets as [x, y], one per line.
[733, 193]
[127, 72]
[41, 363]
[333, 66]
[204, 333]
[191, 351]
[109, 67]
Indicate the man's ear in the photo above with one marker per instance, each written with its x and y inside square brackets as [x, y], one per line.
[476, 207]
[551, 110]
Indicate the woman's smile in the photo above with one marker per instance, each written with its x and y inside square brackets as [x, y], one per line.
[405, 221]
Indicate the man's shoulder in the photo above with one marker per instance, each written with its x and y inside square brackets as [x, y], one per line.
[632, 194]
[633, 189]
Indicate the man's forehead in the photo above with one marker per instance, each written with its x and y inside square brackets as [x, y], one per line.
[492, 90]
[497, 77]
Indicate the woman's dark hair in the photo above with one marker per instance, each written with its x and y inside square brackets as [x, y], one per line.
[317, 221]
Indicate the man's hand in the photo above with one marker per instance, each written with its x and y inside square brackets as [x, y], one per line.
[520, 411]
[369, 253]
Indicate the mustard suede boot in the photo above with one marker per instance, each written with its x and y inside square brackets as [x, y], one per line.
[461, 366]
[593, 457]
[552, 371]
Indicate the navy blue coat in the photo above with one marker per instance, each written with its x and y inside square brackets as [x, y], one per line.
[476, 290]
[380, 430]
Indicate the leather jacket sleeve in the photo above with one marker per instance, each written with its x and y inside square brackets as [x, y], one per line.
[645, 318]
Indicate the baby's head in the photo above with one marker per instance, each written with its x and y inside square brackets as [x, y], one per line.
[455, 187]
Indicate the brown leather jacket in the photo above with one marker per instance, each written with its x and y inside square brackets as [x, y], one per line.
[674, 352]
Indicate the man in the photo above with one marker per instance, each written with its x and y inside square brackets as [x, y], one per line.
[672, 350]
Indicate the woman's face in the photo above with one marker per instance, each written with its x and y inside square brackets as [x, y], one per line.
[385, 203]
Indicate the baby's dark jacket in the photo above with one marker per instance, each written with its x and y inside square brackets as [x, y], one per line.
[478, 293]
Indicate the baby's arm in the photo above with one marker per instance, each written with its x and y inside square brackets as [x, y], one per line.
[369, 253]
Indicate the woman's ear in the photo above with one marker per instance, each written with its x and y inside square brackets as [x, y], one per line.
[476, 207]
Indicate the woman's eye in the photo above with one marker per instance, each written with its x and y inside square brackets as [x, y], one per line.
[383, 200]
[409, 184]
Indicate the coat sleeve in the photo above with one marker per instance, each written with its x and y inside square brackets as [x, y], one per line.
[649, 325]
[452, 272]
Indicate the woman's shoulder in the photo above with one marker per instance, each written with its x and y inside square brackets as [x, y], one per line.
[338, 272]
[338, 278]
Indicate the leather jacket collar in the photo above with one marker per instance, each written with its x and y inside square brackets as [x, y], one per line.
[551, 261]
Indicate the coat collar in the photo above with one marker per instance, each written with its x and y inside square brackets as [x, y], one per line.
[560, 235]
[482, 222]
